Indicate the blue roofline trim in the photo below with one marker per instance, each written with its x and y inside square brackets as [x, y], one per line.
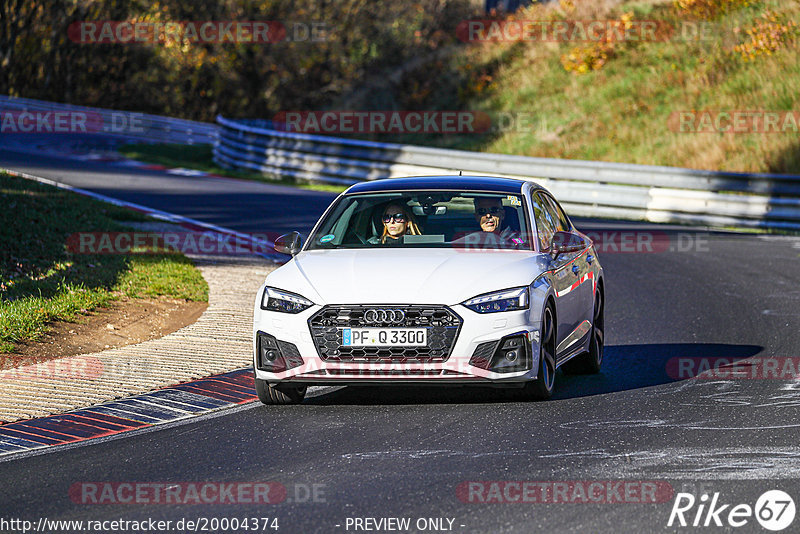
[461, 183]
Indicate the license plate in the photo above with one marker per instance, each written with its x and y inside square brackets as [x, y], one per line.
[384, 337]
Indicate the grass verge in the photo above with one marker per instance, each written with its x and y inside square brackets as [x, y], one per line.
[201, 158]
[41, 281]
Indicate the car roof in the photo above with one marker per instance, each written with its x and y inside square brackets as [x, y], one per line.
[461, 183]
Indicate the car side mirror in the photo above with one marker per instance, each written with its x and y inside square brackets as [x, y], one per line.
[567, 243]
[290, 243]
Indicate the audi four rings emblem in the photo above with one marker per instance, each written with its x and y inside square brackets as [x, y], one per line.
[384, 316]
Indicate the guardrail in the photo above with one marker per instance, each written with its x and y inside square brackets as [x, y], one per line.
[586, 188]
[123, 124]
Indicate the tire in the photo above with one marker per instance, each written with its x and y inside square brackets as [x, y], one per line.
[280, 394]
[542, 387]
[589, 362]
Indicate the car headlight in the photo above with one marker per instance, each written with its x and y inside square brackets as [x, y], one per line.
[283, 301]
[500, 301]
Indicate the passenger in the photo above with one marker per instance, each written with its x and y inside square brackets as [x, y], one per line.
[397, 222]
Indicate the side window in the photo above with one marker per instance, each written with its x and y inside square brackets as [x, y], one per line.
[558, 215]
[550, 214]
[544, 223]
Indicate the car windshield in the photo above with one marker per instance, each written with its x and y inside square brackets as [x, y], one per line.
[426, 219]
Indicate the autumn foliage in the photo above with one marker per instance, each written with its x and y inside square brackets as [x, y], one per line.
[41, 58]
[770, 33]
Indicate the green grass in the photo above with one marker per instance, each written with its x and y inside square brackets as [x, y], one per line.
[200, 157]
[154, 275]
[41, 281]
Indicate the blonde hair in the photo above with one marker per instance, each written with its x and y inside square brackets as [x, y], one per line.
[411, 225]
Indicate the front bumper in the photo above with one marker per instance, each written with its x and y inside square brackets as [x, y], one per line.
[475, 329]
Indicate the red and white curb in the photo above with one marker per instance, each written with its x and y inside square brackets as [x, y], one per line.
[159, 407]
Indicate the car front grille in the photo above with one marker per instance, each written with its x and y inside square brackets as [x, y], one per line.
[441, 322]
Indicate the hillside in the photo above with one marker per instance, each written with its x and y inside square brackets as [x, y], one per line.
[730, 66]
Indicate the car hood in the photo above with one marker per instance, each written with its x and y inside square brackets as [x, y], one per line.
[396, 276]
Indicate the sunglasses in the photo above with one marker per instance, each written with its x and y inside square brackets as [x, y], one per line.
[494, 210]
[398, 217]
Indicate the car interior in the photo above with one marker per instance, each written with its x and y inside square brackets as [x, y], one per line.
[441, 218]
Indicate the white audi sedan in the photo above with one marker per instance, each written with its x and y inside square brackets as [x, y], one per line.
[464, 280]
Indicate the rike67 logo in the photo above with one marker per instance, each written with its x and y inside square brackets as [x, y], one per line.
[774, 510]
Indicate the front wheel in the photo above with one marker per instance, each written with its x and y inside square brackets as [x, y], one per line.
[279, 394]
[542, 387]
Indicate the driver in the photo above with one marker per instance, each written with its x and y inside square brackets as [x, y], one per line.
[397, 222]
[490, 213]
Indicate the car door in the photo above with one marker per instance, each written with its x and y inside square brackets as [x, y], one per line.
[580, 268]
[567, 301]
